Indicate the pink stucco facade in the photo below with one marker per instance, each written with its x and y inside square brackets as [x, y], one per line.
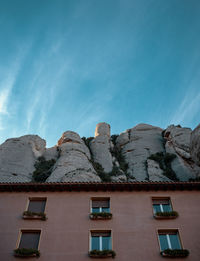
[65, 235]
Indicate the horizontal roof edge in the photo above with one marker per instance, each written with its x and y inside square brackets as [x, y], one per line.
[99, 186]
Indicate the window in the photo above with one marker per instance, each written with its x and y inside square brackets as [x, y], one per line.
[169, 239]
[37, 205]
[161, 205]
[100, 205]
[35, 209]
[101, 240]
[29, 239]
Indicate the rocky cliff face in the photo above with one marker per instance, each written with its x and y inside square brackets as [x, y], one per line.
[142, 153]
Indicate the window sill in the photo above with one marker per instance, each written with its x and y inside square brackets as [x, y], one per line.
[164, 217]
[100, 216]
[35, 217]
[23, 256]
[26, 253]
[102, 254]
[176, 253]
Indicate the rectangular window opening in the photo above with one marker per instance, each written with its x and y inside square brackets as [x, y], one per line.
[101, 240]
[37, 205]
[169, 239]
[29, 239]
[100, 205]
[161, 205]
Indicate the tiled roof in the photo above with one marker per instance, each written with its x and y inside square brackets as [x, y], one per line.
[100, 186]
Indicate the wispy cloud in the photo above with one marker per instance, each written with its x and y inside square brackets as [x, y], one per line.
[3, 101]
[43, 89]
[188, 108]
[6, 87]
[9, 75]
[31, 111]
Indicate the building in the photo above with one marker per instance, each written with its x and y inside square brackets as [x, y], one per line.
[56, 220]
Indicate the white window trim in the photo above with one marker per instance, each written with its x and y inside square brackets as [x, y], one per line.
[168, 241]
[161, 208]
[100, 243]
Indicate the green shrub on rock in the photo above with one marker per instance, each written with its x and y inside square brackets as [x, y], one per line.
[43, 169]
[164, 160]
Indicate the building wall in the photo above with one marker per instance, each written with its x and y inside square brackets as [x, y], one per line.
[65, 235]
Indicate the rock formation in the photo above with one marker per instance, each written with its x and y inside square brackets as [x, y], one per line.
[101, 146]
[73, 163]
[137, 144]
[142, 153]
[17, 158]
[178, 143]
[195, 145]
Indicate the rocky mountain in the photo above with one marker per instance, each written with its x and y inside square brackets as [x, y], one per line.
[142, 153]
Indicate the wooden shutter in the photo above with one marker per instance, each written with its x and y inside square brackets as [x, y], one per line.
[161, 201]
[169, 232]
[37, 205]
[101, 234]
[104, 203]
[29, 240]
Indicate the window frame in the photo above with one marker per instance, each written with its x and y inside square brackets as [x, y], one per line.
[161, 198]
[100, 231]
[36, 199]
[167, 232]
[99, 199]
[24, 230]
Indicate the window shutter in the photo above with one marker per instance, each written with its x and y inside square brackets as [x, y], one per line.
[161, 201]
[167, 232]
[101, 234]
[100, 203]
[29, 240]
[37, 206]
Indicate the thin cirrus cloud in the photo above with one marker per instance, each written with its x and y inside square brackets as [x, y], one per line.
[6, 87]
[113, 61]
[187, 109]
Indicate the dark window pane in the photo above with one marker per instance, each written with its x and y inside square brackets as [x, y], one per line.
[163, 242]
[95, 210]
[167, 208]
[106, 243]
[95, 243]
[175, 242]
[37, 206]
[106, 210]
[29, 240]
[156, 208]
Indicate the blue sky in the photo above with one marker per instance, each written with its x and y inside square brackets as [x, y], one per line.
[70, 64]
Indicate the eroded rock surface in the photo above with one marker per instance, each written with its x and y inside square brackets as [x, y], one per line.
[137, 145]
[17, 158]
[101, 146]
[180, 138]
[178, 143]
[51, 153]
[154, 171]
[195, 145]
[125, 158]
[73, 163]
